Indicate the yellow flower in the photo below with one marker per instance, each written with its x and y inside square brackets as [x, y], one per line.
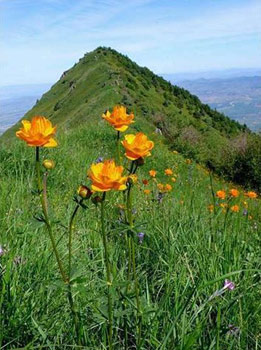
[160, 187]
[210, 208]
[133, 178]
[146, 192]
[152, 173]
[119, 119]
[37, 133]
[245, 204]
[84, 192]
[168, 172]
[137, 146]
[234, 192]
[48, 164]
[107, 176]
[173, 179]
[221, 194]
[235, 208]
[251, 194]
[175, 152]
[223, 205]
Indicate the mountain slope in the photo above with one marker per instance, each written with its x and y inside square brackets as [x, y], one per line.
[104, 77]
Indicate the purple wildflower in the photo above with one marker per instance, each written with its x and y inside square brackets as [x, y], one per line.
[229, 285]
[233, 330]
[2, 251]
[245, 212]
[99, 160]
[141, 237]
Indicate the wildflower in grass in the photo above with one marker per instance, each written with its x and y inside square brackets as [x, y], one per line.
[137, 146]
[251, 194]
[152, 173]
[168, 172]
[234, 193]
[245, 212]
[160, 187]
[233, 330]
[221, 194]
[229, 285]
[84, 192]
[245, 204]
[48, 164]
[160, 197]
[2, 251]
[141, 237]
[99, 160]
[250, 217]
[145, 182]
[118, 118]
[168, 188]
[37, 133]
[173, 179]
[235, 208]
[133, 178]
[223, 205]
[147, 192]
[211, 208]
[107, 176]
[175, 152]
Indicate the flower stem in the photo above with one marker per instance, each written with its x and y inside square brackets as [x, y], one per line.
[118, 147]
[46, 218]
[108, 273]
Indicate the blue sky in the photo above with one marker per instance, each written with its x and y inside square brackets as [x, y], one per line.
[39, 39]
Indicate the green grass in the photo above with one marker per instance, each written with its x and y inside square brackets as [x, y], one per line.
[186, 255]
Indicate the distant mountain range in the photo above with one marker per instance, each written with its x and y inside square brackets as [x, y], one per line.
[239, 97]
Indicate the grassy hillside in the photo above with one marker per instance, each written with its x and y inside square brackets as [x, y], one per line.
[189, 249]
[104, 77]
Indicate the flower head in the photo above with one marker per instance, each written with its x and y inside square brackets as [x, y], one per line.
[48, 164]
[84, 192]
[141, 237]
[175, 152]
[234, 192]
[152, 173]
[133, 178]
[229, 285]
[173, 179]
[145, 182]
[168, 172]
[146, 192]
[160, 187]
[168, 188]
[235, 208]
[137, 146]
[221, 194]
[118, 118]
[211, 208]
[106, 176]
[251, 194]
[37, 133]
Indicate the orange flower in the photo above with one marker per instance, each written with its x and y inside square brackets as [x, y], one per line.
[152, 173]
[145, 182]
[235, 208]
[119, 119]
[168, 188]
[37, 133]
[221, 194]
[137, 146]
[251, 194]
[146, 192]
[234, 192]
[168, 172]
[107, 176]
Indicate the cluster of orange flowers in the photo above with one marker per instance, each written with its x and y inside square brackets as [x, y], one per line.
[232, 193]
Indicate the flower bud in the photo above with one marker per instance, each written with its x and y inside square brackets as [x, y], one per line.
[48, 164]
[96, 200]
[84, 192]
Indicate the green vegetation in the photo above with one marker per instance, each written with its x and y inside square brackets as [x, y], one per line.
[104, 77]
[191, 242]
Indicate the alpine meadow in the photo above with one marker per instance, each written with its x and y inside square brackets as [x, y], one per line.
[130, 218]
